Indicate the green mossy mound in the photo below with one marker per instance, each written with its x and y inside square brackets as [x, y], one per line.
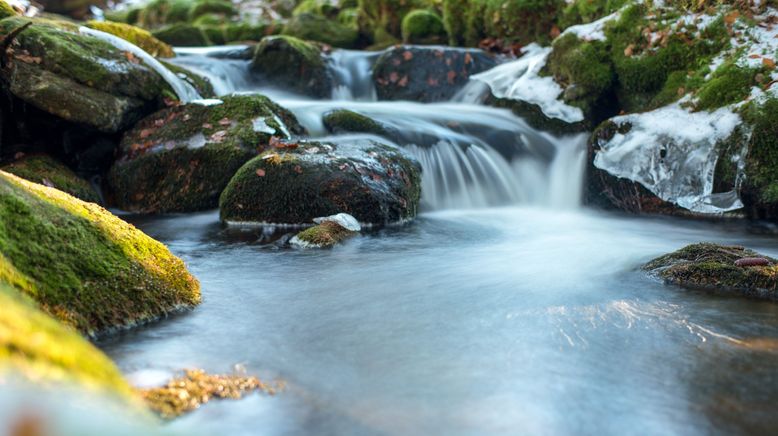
[423, 27]
[83, 265]
[346, 121]
[47, 171]
[44, 351]
[183, 35]
[322, 29]
[6, 10]
[135, 35]
[324, 235]
[78, 78]
[181, 158]
[298, 182]
[713, 267]
[760, 189]
[293, 64]
[520, 21]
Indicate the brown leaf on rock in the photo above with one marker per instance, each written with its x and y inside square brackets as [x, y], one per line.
[407, 55]
[225, 122]
[261, 172]
[403, 82]
[145, 133]
[769, 63]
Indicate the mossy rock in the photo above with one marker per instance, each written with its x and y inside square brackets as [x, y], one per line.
[423, 27]
[158, 13]
[455, 20]
[78, 78]
[427, 74]
[534, 116]
[37, 347]
[181, 158]
[300, 181]
[346, 121]
[201, 84]
[136, 35]
[220, 8]
[587, 11]
[78, 9]
[83, 265]
[730, 270]
[760, 189]
[183, 35]
[321, 29]
[244, 32]
[323, 8]
[292, 64]
[520, 21]
[44, 169]
[324, 235]
[382, 19]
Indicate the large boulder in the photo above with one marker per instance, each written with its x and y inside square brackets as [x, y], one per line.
[726, 269]
[181, 158]
[292, 64]
[78, 78]
[44, 169]
[427, 74]
[299, 181]
[38, 348]
[83, 265]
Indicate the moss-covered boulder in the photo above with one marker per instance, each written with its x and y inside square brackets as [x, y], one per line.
[760, 188]
[292, 64]
[181, 158]
[322, 29]
[347, 121]
[299, 181]
[44, 169]
[140, 37]
[324, 235]
[34, 345]
[427, 74]
[78, 78]
[382, 20]
[423, 27]
[183, 35]
[520, 21]
[726, 269]
[83, 265]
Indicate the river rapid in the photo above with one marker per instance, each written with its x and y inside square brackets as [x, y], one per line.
[505, 308]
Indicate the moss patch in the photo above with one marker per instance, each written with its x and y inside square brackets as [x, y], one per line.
[343, 120]
[45, 170]
[183, 35]
[760, 191]
[293, 64]
[82, 264]
[423, 27]
[324, 235]
[135, 35]
[326, 30]
[713, 267]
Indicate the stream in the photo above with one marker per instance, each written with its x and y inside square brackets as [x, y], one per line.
[505, 308]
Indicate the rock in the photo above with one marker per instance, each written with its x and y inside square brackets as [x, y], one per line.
[78, 78]
[344, 220]
[183, 35]
[346, 121]
[713, 267]
[141, 38]
[78, 9]
[324, 235]
[423, 27]
[382, 19]
[299, 181]
[202, 85]
[321, 29]
[427, 74]
[181, 158]
[292, 64]
[37, 347]
[760, 188]
[47, 171]
[83, 265]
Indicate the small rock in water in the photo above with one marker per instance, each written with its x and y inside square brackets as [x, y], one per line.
[344, 220]
[752, 261]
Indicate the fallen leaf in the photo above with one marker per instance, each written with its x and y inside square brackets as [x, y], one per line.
[769, 63]
[261, 172]
[407, 55]
[225, 122]
[629, 50]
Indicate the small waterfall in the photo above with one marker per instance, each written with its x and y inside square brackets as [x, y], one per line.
[226, 74]
[185, 92]
[352, 71]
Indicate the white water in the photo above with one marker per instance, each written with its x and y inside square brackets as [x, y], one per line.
[352, 71]
[185, 92]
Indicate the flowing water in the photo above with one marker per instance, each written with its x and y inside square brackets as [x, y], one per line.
[504, 308]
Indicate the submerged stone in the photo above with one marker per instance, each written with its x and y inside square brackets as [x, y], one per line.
[427, 74]
[299, 181]
[347, 121]
[713, 267]
[44, 169]
[324, 235]
[181, 158]
[292, 64]
[83, 265]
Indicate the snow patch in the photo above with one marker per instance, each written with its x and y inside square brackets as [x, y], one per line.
[521, 80]
[594, 31]
[673, 153]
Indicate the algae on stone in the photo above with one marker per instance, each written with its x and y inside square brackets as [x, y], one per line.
[47, 171]
[82, 264]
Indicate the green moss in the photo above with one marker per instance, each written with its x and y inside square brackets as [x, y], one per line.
[292, 63]
[158, 13]
[342, 120]
[6, 10]
[38, 347]
[83, 265]
[323, 8]
[762, 160]
[382, 19]
[135, 35]
[455, 15]
[729, 84]
[522, 21]
[212, 7]
[201, 84]
[325, 235]
[183, 35]
[423, 27]
[240, 32]
[587, 11]
[317, 28]
[712, 267]
[47, 171]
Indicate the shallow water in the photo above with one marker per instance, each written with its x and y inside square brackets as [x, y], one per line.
[509, 320]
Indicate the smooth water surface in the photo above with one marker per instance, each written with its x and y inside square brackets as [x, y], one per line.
[502, 320]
